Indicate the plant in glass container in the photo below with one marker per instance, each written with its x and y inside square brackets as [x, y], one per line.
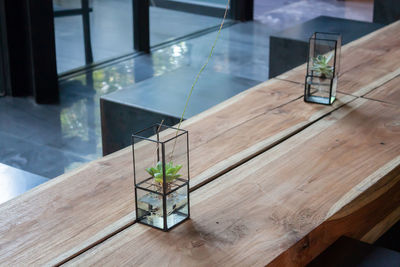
[322, 68]
[161, 186]
[161, 174]
[171, 173]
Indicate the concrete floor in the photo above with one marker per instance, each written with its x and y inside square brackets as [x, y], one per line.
[49, 140]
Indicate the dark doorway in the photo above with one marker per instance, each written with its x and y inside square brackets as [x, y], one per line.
[3, 77]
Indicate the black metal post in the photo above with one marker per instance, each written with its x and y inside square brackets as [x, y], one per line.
[15, 35]
[164, 192]
[141, 25]
[86, 31]
[5, 88]
[242, 10]
[43, 51]
[31, 52]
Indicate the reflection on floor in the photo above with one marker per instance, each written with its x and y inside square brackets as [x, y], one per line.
[295, 12]
[49, 140]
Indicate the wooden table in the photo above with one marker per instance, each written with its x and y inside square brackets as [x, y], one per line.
[275, 180]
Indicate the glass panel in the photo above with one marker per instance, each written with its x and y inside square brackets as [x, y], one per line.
[209, 2]
[322, 58]
[108, 33]
[319, 89]
[149, 197]
[177, 206]
[176, 153]
[147, 154]
[70, 51]
[66, 4]
[167, 24]
[111, 23]
[150, 208]
[110, 26]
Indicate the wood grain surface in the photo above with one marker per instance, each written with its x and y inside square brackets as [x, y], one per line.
[340, 176]
[389, 92]
[65, 216]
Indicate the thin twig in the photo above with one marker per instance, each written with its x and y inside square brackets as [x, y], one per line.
[198, 75]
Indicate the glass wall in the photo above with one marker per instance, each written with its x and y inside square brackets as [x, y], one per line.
[170, 19]
[210, 2]
[90, 31]
[167, 24]
[108, 32]
[112, 28]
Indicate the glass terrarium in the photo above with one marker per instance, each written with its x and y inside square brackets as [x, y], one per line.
[161, 174]
[322, 68]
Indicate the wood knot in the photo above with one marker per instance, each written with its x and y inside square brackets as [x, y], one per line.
[104, 163]
[197, 243]
[305, 244]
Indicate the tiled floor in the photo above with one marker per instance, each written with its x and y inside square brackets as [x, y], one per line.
[51, 139]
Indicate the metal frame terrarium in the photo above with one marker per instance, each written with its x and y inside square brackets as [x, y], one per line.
[322, 68]
[161, 167]
[161, 175]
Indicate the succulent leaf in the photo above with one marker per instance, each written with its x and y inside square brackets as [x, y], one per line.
[321, 67]
[159, 166]
[171, 172]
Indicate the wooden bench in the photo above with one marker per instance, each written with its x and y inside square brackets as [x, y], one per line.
[84, 194]
[339, 176]
[274, 180]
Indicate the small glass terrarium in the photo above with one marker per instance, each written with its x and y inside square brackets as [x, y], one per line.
[161, 174]
[322, 68]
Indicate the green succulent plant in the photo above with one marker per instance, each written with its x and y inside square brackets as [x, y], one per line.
[321, 66]
[171, 172]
